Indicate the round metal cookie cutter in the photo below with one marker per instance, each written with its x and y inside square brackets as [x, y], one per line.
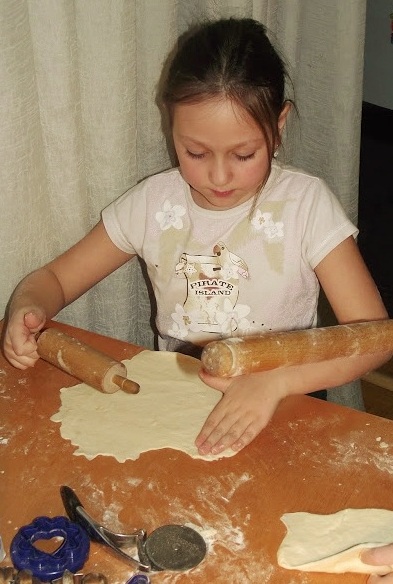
[170, 547]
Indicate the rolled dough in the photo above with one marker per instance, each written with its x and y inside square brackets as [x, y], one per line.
[334, 543]
[169, 411]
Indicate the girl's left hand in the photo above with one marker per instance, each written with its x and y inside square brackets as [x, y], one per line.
[378, 557]
[248, 403]
[388, 579]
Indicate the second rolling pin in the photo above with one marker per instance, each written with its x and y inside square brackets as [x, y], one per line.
[243, 355]
[83, 362]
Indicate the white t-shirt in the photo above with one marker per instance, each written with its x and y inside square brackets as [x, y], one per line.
[235, 272]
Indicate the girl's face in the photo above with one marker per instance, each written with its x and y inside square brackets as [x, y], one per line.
[222, 152]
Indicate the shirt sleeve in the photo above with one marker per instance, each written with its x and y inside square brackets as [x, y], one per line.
[124, 219]
[327, 225]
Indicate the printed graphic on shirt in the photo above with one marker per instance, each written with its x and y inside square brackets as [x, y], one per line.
[268, 226]
[211, 294]
[264, 223]
[170, 216]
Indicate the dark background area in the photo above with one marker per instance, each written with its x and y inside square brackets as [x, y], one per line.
[376, 197]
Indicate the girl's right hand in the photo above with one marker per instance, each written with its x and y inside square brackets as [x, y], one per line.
[20, 345]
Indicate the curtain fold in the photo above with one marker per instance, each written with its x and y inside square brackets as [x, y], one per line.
[79, 124]
[327, 62]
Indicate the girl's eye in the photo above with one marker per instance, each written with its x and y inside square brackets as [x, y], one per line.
[248, 157]
[195, 155]
[199, 156]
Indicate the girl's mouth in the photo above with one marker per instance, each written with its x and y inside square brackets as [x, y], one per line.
[222, 194]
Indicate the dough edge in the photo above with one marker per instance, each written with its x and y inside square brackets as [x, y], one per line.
[154, 361]
[344, 524]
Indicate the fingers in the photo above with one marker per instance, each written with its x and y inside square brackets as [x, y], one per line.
[373, 579]
[216, 436]
[222, 429]
[244, 410]
[21, 354]
[34, 320]
[23, 362]
[219, 383]
[379, 556]
[20, 346]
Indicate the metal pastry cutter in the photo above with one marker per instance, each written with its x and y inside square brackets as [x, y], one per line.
[170, 547]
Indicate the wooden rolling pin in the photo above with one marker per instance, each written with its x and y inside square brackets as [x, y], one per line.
[84, 362]
[242, 355]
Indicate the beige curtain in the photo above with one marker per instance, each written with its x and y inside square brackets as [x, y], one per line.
[79, 124]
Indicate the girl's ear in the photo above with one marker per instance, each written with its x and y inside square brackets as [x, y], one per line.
[283, 115]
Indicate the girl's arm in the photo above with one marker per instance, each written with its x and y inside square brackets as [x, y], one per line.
[348, 285]
[353, 297]
[250, 401]
[44, 292]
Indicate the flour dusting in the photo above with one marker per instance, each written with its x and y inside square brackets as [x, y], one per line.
[353, 448]
[354, 452]
[223, 488]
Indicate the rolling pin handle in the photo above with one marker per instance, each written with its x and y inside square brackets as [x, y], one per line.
[125, 384]
[83, 362]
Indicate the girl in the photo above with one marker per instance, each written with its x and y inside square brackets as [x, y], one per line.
[234, 243]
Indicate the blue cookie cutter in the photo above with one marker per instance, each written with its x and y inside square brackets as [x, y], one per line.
[139, 579]
[71, 555]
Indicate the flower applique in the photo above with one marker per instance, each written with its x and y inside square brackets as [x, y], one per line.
[233, 318]
[271, 230]
[170, 216]
[183, 322]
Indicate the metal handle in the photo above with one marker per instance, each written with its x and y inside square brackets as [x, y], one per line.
[100, 534]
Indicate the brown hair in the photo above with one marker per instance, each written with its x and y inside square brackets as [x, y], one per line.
[232, 58]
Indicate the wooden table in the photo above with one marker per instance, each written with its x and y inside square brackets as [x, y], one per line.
[314, 456]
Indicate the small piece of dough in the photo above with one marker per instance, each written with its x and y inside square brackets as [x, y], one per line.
[334, 543]
[168, 412]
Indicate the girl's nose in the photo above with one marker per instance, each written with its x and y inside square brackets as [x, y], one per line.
[219, 173]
